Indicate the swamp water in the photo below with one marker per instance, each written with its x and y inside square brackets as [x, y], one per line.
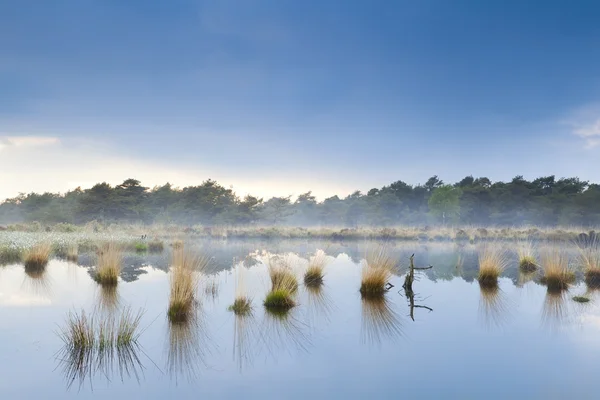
[515, 342]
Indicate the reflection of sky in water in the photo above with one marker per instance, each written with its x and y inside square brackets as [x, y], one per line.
[518, 345]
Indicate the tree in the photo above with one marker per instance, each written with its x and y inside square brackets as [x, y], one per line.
[444, 203]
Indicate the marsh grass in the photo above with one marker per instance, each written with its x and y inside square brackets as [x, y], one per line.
[184, 280]
[109, 261]
[140, 247]
[280, 299]
[315, 271]
[492, 262]
[379, 320]
[282, 274]
[557, 273]
[527, 257]
[377, 270]
[36, 258]
[242, 304]
[589, 258]
[10, 254]
[93, 345]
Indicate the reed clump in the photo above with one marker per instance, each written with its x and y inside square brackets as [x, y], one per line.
[36, 258]
[589, 258]
[185, 276]
[557, 274]
[316, 265]
[10, 254]
[108, 269]
[279, 299]
[377, 271]
[527, 259]
[492, 262]
[281, 274]
[241, 306]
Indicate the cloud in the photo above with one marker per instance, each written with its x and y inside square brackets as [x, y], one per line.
[585, 123]
[26, 141]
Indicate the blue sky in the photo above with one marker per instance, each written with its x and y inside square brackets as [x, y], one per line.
[287, 96]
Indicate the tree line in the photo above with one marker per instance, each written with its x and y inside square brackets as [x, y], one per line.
[545, 201]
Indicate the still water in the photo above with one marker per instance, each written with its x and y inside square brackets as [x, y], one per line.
[517, 342]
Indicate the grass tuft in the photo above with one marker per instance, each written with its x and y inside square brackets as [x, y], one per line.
[281, 274]
[377, 270]
[557, 274]
[109, 264]
[186, 267]
[140, 247]
[316, 265]
[36, 258]
[492, 262]
[589, 258]
[527, 260]
[279, 300]
[241, 306]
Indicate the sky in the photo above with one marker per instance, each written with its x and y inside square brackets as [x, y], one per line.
[280, 97]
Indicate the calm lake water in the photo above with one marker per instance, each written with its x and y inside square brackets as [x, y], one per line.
[518, 342]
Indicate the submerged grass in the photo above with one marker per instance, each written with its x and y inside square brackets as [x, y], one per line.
[315, 272]
[557, 273]
[492, 262]
[377, 270]
[581, 299]
[185, 276]
[109, 264]
[36, 258]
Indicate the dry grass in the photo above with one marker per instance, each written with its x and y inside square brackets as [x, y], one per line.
[316, 265]
[36, 258]
[492, 262]
[242, 305]
[557, 273]
[377, 271]
[108, 269]
[281, 274]
[527, 259]
[589, 258]
[185, 276]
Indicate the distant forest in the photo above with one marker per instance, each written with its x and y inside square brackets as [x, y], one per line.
[545, 201]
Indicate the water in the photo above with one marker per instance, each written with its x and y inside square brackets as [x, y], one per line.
[518, 342]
